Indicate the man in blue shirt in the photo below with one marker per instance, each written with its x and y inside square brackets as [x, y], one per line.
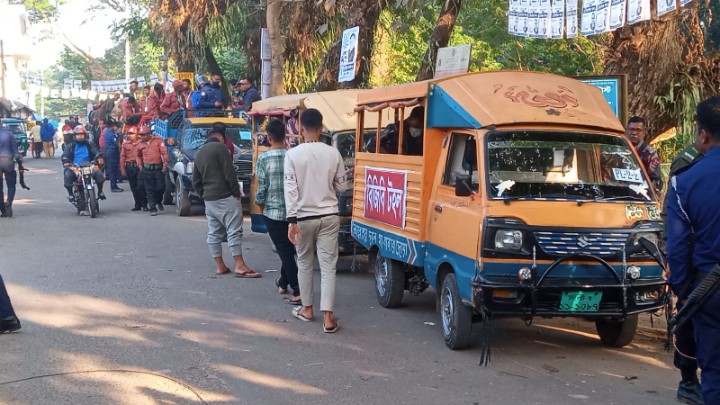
[77, 152]
[8, 155]
[250, 94]
[112, 156]
[47, 133]
[693, 240]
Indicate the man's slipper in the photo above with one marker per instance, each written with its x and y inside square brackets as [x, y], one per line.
[224, 272]
[248, 274]
[333, 329]
[291, 302]
[296, 313]
[277, 283]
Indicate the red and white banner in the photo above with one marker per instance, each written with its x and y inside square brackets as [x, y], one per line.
[385, 196]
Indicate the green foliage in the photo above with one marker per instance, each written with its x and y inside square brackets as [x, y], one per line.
[39, 10]
[53, 78]
[483, 24]
[680, 103]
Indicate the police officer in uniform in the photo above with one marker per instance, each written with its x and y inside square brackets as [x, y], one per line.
[693, 240]
[8, 321]
[689, 390]
[9, 153]
[152, 159]
[129, 168]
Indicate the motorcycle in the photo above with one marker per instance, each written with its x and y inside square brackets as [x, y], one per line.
[85, 190]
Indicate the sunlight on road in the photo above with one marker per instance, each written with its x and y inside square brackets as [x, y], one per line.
[269, 380]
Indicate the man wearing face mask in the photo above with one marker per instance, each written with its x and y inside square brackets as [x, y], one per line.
[412, 135]
[211, 97]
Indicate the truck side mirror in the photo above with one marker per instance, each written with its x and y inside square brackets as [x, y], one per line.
[462, 185]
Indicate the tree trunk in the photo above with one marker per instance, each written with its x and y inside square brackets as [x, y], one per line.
[364, 14]
[277, 61]
[214, 68]
[439, 38]
[254, 64]
[654, 54]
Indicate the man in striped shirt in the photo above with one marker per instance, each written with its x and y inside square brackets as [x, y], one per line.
[270, 197]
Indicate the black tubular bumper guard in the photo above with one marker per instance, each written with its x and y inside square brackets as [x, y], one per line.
[534, 287]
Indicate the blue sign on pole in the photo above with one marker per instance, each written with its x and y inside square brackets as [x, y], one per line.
[610, 89]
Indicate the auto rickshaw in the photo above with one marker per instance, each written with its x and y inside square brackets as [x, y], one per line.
[339, 131]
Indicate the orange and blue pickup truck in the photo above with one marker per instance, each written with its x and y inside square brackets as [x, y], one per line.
[515, 194]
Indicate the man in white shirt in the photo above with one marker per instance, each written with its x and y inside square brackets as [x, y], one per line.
[314, 174]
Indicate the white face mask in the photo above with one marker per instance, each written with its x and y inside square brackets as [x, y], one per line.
[415, 132]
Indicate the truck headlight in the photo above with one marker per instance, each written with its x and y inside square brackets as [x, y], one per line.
[508, 239]
[189, 167]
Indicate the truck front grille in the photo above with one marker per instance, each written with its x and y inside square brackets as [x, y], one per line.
[565, 243]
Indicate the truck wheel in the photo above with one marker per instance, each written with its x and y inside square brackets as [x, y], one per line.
[183, 204]
[389, 281]
[617, 333]
[456, 317]
[167, 196]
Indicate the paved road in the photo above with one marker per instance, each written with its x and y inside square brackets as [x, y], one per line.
[127, 291]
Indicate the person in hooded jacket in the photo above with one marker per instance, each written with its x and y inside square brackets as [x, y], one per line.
[174, 101]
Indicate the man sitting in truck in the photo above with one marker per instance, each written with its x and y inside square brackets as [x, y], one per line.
[412, 136]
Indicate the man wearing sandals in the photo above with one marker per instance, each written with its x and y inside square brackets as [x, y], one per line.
[214, 180]
[314, 174]
[270, 197]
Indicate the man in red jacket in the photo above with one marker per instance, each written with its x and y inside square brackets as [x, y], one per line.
[174, 101]
[157, 95]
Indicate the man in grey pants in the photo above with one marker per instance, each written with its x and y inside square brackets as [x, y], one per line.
[314, 174]
[214, 180]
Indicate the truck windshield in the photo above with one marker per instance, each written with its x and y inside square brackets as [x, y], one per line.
[196, 136]
[563, 165]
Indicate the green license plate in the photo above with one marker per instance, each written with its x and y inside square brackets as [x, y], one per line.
[580, 301]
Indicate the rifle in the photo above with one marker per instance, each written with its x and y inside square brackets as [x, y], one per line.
[709, 286]
[22, 171]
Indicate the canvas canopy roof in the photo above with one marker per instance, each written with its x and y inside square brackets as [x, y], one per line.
[478, 100]
[337, 108]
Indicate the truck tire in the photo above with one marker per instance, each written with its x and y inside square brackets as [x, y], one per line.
[183, 204]
[389, 281]
[169, 188]
[456, 317]
[617, 333]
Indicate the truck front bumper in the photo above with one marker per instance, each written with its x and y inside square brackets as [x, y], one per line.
[506, 296]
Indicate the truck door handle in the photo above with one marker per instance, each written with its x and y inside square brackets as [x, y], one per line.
[438, 208]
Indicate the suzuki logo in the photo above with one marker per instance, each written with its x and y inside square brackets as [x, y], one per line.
[583, 242]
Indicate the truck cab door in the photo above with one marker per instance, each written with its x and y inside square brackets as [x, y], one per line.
[454, 221]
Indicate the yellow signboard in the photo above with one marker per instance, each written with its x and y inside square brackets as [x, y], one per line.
[186, 75]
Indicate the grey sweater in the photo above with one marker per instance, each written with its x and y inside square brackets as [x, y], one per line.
[314, 174]
[214, 176]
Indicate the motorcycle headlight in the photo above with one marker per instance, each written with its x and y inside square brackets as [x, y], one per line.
[508, 240]
[87, 170]
[189, 167]
[349, 204]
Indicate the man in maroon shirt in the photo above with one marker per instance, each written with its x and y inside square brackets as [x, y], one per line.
[152, 159]
[129, 168]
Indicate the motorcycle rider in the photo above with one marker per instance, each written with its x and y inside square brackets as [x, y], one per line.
[78, 151]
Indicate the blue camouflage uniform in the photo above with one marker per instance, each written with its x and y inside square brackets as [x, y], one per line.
[112, 157]
[693, 247]
[209, 94]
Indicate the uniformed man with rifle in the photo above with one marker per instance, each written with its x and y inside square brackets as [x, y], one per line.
[693, 245]
[683, 343]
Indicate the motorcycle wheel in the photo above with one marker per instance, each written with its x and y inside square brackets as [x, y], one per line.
[92, 203]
